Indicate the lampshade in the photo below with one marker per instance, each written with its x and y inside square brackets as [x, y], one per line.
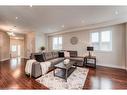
[90, 48]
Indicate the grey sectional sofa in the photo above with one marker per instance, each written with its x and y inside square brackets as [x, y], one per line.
[54, 58]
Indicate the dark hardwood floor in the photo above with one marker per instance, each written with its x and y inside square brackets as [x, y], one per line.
[12, 76]
[106, 78]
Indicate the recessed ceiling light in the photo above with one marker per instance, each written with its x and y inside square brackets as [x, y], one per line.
[63, 26]
[116, 12]
[16, 17]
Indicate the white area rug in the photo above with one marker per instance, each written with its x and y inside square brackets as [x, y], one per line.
[75, 81]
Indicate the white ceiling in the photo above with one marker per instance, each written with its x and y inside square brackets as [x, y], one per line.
[49, 19]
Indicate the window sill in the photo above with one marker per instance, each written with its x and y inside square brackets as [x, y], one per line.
[101, 51]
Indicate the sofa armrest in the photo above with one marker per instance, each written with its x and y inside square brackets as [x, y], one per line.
[36, 70]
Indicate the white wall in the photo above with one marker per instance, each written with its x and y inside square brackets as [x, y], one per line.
[116, 58]
[29, 44]
[39, 40]
[4, 46]
[126, 45]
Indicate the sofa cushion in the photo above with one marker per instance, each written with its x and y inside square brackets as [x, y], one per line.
[77, 58]
[55, 54]
[55, 61]
[73, 53]
[47, 56]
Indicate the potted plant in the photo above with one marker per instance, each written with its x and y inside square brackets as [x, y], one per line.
[42, 48]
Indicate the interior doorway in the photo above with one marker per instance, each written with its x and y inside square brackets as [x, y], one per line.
[16, 48]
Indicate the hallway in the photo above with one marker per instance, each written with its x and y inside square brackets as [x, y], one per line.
[17, 47]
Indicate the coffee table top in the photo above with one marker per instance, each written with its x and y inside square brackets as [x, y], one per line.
[62, 66]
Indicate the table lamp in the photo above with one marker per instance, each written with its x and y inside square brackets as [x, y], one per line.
[90, 48]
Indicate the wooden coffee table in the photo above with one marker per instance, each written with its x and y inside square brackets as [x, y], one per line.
[66, 70]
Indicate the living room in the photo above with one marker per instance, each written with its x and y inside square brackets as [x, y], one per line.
[78, 32]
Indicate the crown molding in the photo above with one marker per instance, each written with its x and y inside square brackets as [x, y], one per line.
[92, 26]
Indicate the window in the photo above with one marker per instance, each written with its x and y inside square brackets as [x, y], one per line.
[57, 43]
[13, 49]
[102, 40]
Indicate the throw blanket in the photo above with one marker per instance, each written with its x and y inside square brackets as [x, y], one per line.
[45, 67]
[28, 67]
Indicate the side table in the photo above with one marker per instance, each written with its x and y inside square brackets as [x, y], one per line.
[87, 62]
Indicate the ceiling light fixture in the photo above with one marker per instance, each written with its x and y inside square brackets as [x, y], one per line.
[11, 33]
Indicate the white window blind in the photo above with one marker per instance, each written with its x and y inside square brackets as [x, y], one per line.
[102, 40]
[57, 43]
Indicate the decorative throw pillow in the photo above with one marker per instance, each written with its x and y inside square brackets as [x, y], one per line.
[39, 57]
[66, 54]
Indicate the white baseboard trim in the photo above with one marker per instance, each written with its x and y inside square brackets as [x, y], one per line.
[5, 59]
[112, 66]
[126, 69]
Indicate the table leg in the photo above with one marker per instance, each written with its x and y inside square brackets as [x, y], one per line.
[84, 62]
[66, 74]
[75, 67]
[54, 72]
[95, 63]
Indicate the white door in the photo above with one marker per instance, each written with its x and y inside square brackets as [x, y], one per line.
[16, 48]
[15, 51]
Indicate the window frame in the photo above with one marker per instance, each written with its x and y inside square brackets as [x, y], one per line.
[100, 42]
